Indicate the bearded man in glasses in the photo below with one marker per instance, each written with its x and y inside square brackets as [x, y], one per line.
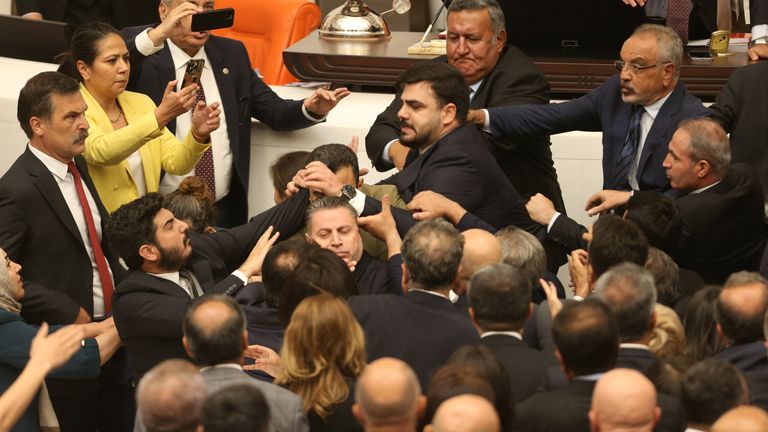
[637, 110]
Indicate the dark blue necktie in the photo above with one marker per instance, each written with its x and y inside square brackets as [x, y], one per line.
[628, 150]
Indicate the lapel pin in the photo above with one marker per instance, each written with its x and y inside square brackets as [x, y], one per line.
[226, 71]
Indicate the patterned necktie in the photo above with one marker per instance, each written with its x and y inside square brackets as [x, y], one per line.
[204, 167]
[628, 150]
[98, 254]
[677, 17]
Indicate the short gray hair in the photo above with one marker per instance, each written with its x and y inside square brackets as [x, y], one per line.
[498, 22]
[328, 203]
[432, 252]
[745, 278]
[170, 397]
[669, 47]
[629, 292]
[708, 142]
[524, 251]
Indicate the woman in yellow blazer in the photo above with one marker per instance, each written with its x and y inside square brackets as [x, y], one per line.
[128, 144]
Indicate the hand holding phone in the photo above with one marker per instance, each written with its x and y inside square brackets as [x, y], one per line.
[193, 73]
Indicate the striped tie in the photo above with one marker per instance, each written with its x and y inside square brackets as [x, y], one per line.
[628, 150]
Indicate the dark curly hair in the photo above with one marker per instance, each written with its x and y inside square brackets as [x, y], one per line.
[132, 225]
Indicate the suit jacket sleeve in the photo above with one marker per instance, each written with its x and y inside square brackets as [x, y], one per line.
[727, 107]
[403, 218]
[232, 246]
[269, 108]
[567, 233]
[385, 128]
[395, 274]
[758, 10]
[140, 313]
[41, 303]
[525, 121]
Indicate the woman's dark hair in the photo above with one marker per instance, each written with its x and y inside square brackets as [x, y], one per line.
[284, 168]
[84, 47]
[485, 362]
[321, 272]
[702, 340]
[192, 202]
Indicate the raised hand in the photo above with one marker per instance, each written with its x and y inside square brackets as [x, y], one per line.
[174, 103]
[205, 119]
[52, 351]
[322, 101]
[252, 264]
[540, 209]
[428, 205]
[383, 227]
[176, 22]
[606, 200]
[265, 359]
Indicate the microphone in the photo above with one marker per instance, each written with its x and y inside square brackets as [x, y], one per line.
[446, 4]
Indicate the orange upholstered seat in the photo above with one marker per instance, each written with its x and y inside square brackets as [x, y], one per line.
[267, 27]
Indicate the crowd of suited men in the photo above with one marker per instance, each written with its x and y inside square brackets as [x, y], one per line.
[429, 301]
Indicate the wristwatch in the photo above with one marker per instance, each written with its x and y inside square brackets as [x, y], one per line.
[763, 40]
[348, 192]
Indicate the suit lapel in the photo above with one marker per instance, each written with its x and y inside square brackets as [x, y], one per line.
[218, 60]
[46, 184]
[665, 119]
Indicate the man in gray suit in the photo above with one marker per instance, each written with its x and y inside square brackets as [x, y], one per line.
[215, 337]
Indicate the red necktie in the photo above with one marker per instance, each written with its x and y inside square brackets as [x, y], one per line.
[98, 253]
[204, 167]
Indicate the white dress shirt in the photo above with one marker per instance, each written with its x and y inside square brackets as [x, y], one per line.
[66, 184]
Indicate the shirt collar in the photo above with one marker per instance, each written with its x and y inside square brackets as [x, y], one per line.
[452, 296]
[172, 276]
[700, 190]
[590, 377]
[430, 292]
[223, 366]
[634, 346]
[514, 334]
[654, 108]
[180, 58]
[56, 167]
[473, 88]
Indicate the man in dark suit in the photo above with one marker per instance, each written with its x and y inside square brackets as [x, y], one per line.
[159, 55]
[637, 110]
[446, 154]
[741, 108]
[499, 304]
[740, 312]
[169, 266]
[587, 346]
[215, 338]
[53, 225]
[421, 328]
[497, 76]
[628, 290]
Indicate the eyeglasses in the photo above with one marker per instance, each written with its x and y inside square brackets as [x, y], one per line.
[634, 68]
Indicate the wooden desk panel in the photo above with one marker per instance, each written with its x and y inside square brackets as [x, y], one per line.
[381, 62]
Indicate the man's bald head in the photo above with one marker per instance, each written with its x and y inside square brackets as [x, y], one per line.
[744, 418]
[481, 249]
[388, 394]
[214, 331]
[741, 307]
[465, 413]
[624, 399]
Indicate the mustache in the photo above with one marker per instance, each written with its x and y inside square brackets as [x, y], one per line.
[81, 136]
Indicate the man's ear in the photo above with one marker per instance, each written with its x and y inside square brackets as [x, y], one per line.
[36, 124]
[702, 168]
[449, 113]
[245, 339]
[501, 40]
[149, 252]
[406, 278]
[162, 10]
[186, 346]
[357, 412]
[422, 407]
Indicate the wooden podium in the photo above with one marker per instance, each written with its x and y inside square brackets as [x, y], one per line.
[379, 63]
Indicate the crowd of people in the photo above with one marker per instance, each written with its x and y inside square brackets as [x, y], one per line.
[137, 295]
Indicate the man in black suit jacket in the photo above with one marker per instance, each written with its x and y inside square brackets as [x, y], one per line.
[421, 328]
[587, 346]
[741, 108]
[169, 266]
[740, 312]
[159, 55]
[637, 110]
[497, 75]
[46, 231]
[628, 290]
[499, 303]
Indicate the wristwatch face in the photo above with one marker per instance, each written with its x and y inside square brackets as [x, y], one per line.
[348, 192]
